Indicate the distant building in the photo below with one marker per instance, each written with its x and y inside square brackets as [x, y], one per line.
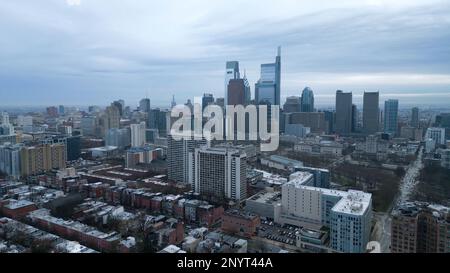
[391, 116]
[307, 100]
[144, 105]
[414, 117]
[371, 113]
[436, 134]
[207, 99]
[292, 105]
[343, 116]
[231, 73]
[137, 134]
[121, 138]
[313, 120]
[240, 223]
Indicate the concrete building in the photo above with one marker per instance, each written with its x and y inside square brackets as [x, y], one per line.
[292, 105]
[137, 134]
[420, 228]
[436, 134]
[180, 158]
[371, 113]
[220, 173]
[42, 158]
[313, 120]
[10, 160]
[391, 117]
[265, 204]
[343, 115]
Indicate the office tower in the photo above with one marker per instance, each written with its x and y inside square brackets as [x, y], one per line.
[144, 105]
[329, 119]
[42, 158]
[5, 118]
[307, 100]
[391, 116]
[180, 158]
[267, 89]
[292, 105]
[120, 104]
[343, 116]
[207, 99]
[112, 117]
[120, 138]
[52, 111]
[6, 128]
[420, 228]
[61, 110]
[157, 119]
[236, 92]
[371, 112]
[415, 117]
[436, 134]
[73, 147]
[10, 160]
[354, 118]
[443, 120]
[220, 173]
[220, 102]
[314, 120]
[137, 134]
[89, 125]
[231, 73]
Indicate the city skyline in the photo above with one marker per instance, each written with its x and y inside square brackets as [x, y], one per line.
[77, 51]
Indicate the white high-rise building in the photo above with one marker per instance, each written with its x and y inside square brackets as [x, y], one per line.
[220, 173]
[348, 215]
[180, 158]
[437, 134]
[137, 134]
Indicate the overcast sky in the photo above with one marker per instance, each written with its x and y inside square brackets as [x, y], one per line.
[83, 52]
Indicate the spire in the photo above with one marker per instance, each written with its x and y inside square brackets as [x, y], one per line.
[279, 51]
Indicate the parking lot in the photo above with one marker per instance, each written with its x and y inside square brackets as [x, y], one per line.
[284, 234]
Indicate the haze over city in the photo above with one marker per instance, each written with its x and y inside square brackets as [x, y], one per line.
[92, 52]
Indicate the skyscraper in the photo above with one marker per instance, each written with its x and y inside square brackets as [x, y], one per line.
[343, 116]
[231, 73]
[391, 116]
[220, 173]
[137, 134]
[354, 118]
[236, 92]
[157, 119]
[267, 89]
[180, 158]
[207, 100]
[371, 113]
[415, 117]
[307, 100]
[292, 105]
[144, 105]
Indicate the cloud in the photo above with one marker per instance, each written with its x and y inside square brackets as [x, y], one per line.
[73, 2]
[180, 47]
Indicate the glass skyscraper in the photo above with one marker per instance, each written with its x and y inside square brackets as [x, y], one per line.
[307, 100]
[267, 89]
[391, 116]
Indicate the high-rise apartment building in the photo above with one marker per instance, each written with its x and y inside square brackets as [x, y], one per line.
[220, 173]
[42, 158]
[10, 159]
[343, 115]
[137, 134]
[120, 138]
[371, 113]
[180, 158]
